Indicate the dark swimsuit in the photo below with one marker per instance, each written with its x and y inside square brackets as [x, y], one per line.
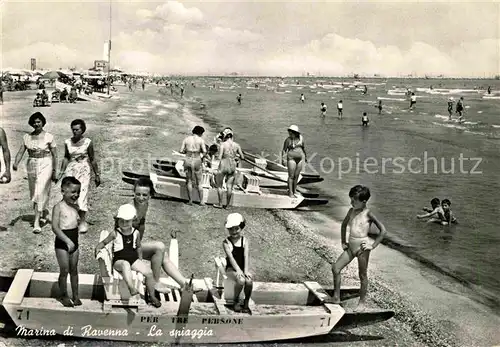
[139, 224]
[128, 253]
[238, 255]
[72, 234]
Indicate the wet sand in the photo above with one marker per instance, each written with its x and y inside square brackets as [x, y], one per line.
[285, 248]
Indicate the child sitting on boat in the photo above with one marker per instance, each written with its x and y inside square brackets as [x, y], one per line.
[359, 219]
[236, 248]
[127, 252]
[65, 220]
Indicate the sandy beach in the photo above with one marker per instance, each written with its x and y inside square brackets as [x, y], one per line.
[133, 127]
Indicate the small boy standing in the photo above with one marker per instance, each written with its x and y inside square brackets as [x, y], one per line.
[340, 108]
[65, 220]
[359, 219]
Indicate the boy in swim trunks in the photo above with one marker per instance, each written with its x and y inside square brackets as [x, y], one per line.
[194, 148]
[359, 219]
[127, 252]
[65, 220]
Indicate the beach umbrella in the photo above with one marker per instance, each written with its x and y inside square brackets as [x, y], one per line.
[53, 75]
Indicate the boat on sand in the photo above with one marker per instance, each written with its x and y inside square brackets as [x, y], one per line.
[253, 195]
[267, 179]
[279, 311]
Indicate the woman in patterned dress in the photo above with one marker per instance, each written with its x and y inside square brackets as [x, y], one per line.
[41, 165]
[78, 159]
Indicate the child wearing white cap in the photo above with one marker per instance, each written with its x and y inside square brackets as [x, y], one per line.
[127, 252]
[236, 248]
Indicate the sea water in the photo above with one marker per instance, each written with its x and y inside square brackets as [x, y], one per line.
[405, 157]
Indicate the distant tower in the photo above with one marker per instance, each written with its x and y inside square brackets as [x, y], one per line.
[33, 64]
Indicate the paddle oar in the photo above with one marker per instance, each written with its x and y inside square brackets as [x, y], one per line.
[278, 178]
[186, 298]
[183, 312]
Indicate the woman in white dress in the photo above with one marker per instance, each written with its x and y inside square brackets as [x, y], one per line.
[41, 165]
[78, 160]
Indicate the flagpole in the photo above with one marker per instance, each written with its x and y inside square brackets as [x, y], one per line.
[109, 47]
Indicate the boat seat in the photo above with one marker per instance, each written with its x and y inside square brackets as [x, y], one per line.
[117, 291]
[253, 183]
[208, 181]
[227, 284]
[260, 165]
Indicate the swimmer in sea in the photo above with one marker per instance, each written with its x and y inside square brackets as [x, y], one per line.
[365, 120]
[413, 101]
[448, 216]
[194, 148]
[359, 219]
[450, 107]
[435, 213]
[460, 109]
[323, 109]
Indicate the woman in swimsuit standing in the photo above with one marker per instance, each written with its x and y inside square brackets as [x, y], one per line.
[294, 154]
[194, 148]
[229, 150]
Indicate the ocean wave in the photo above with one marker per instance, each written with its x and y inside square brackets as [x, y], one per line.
[391, 99]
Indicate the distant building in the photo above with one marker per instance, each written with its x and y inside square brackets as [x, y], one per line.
[100, 65]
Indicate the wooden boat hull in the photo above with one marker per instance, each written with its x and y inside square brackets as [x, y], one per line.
[169, 168]
[275, 168]
[283, 311]
[174, 187]
[131, 177]
[266, 180]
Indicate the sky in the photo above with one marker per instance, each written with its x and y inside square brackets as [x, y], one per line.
[278, 38]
